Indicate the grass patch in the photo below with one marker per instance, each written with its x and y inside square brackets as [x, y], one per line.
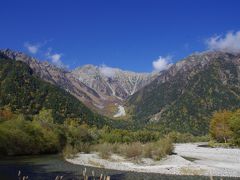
[158, 150]
[136, 150]
[133, 150]
[69, 151]
[104, 150]
[214, 144]
[187, 137]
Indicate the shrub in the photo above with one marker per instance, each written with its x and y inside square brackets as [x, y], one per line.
[136, 150]
[127, 136]
[133, 150]
[20, 136]
[104, 150]
[159, 149]
[69, 151]
[82, 147]
[186, 137]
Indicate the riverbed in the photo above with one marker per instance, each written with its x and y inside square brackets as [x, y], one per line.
[188, 159]
[46, 167]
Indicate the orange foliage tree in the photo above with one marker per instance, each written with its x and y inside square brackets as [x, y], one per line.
[6, 113]
[219, 126]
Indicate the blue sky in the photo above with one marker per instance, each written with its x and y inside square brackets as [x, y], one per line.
[129, 34]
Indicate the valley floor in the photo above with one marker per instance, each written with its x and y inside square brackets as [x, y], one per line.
[190, 159]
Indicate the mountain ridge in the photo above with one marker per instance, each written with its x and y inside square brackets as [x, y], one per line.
[181, 98]
[23, 92]
[117, 82]
[100, 96]
[184, 96]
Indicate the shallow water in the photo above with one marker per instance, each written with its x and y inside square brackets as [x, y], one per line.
[46, 167]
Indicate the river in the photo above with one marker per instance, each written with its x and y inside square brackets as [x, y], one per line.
[46, 167]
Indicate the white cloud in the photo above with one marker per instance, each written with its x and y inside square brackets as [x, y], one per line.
[55, 58]
[32, 48]
[107, 71]
[228, 43]
[162, 63]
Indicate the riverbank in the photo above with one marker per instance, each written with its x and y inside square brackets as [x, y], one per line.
[190, 159]
[50, 166]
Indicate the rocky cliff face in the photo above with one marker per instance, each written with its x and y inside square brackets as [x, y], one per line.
[112, 81]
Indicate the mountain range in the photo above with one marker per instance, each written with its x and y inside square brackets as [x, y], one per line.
[181, 98]
[102, 89]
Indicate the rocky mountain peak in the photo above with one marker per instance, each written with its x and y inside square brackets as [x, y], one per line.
[195, 63]
[112, 81]
[31, 61]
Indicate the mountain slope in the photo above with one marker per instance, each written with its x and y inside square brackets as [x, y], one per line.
[89, 84]
[24, 92]
[61, 78]
[112, 84]
[112, 81]
[183, 97]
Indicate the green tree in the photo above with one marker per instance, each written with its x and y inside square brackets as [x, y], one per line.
[45, 115]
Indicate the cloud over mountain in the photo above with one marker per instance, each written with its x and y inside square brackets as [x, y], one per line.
[55, 58]
[107, 71]
[162, 63]
[228, 43]
[32, 48]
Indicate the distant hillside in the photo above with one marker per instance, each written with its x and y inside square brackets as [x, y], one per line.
[24, 92]
[183, 97]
